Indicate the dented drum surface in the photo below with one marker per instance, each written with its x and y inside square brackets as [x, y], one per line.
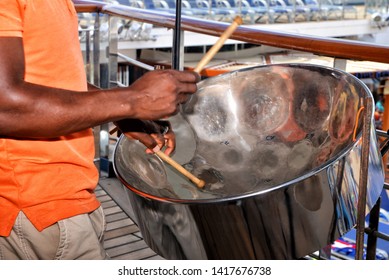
[275, 146]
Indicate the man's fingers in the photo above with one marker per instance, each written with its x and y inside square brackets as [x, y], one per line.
[187, 76]
[144, 138]
[159, 139]
[170, 145]
[182, 98]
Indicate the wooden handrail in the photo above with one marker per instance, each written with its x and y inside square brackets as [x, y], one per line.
[88, 6]
[339, 48]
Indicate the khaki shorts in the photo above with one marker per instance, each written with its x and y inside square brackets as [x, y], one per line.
[78, 237]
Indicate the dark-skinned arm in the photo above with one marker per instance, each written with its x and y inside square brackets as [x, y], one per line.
[35, 111]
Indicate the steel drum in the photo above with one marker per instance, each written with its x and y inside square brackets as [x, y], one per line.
[275, 146]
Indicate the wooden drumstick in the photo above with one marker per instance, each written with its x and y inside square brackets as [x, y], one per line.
[204, 61]
[219, 43]
[198, 182]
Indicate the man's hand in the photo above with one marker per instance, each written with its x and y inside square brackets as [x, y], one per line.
[158, 94]
[153, 134]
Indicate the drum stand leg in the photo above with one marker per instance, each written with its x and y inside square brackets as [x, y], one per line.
[363, 178]
[371, 246]
[325, 253]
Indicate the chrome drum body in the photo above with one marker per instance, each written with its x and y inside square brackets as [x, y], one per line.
[279, 147]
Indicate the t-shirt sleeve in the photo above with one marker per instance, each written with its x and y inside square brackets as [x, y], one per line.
[11, 18]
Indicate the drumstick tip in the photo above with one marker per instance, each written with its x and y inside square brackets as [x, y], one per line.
[200, 184]
[238, 20]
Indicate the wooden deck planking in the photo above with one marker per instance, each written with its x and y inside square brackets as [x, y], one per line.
[125, 239]
[119, 223]
[139, 255]
[121, 231]
[116, 217]
[122, 239]
[123, 249]
[112, 210]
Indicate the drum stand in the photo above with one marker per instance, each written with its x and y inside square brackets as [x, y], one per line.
[372, 230]
[360, 227]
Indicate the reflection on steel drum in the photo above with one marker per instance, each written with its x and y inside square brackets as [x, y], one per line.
[210, 112]
[262, 109]
[311, 101]
[344, 115]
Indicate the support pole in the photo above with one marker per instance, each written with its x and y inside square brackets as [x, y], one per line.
[368, 105]
[176, 63]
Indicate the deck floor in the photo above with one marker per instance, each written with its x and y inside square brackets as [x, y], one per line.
[123, 240]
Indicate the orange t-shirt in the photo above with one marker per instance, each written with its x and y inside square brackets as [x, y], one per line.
[47, 179]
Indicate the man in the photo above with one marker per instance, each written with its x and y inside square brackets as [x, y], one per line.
[47, 177]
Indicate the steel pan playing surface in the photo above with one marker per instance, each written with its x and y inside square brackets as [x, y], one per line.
[275, 147]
